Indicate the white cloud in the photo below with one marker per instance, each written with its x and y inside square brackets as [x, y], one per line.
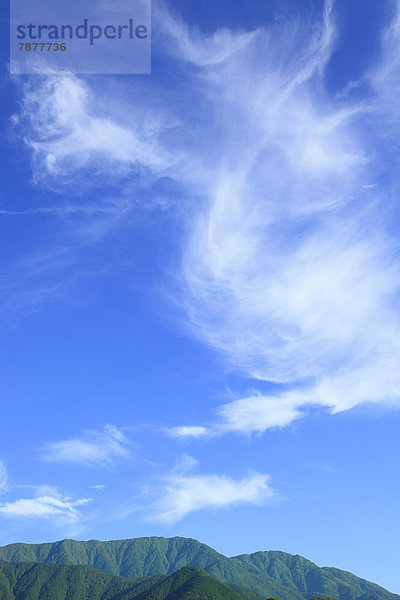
[61, 509]
[46, 490]
[69, 130]
[94, 448]
[184, 494]
[255, 413]
[258, 413]
[271, 282]
[188, 431]
[291, 269]
[194, 47]
[3, 477]
[183, 464]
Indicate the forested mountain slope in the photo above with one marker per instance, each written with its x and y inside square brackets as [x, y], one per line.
[44, 581]
[271, 573]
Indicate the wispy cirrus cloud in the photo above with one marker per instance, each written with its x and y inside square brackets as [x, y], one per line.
[257, 413]
[253, 414]
[191, 46]
[183, 492]
[47, 503]
[194, 431]
[93, 448]
[82, 136]
[291, 270]
[61, 509]
[69, 131]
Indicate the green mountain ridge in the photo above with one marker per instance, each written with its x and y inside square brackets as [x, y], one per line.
[268, 574]
[45, 581]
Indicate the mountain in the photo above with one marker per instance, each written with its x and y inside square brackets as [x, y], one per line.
[268, 574]
[190, 583]
[43, 581]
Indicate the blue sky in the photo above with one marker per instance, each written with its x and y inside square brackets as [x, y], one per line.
[200, 288]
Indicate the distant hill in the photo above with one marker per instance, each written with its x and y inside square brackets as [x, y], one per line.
[190, 583]
[268, 574]
[44, 581]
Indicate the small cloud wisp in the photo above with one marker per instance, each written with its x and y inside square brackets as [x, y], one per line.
[94, 448]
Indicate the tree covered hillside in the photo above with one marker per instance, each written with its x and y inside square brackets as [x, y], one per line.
[41, 581]
[268, 574]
